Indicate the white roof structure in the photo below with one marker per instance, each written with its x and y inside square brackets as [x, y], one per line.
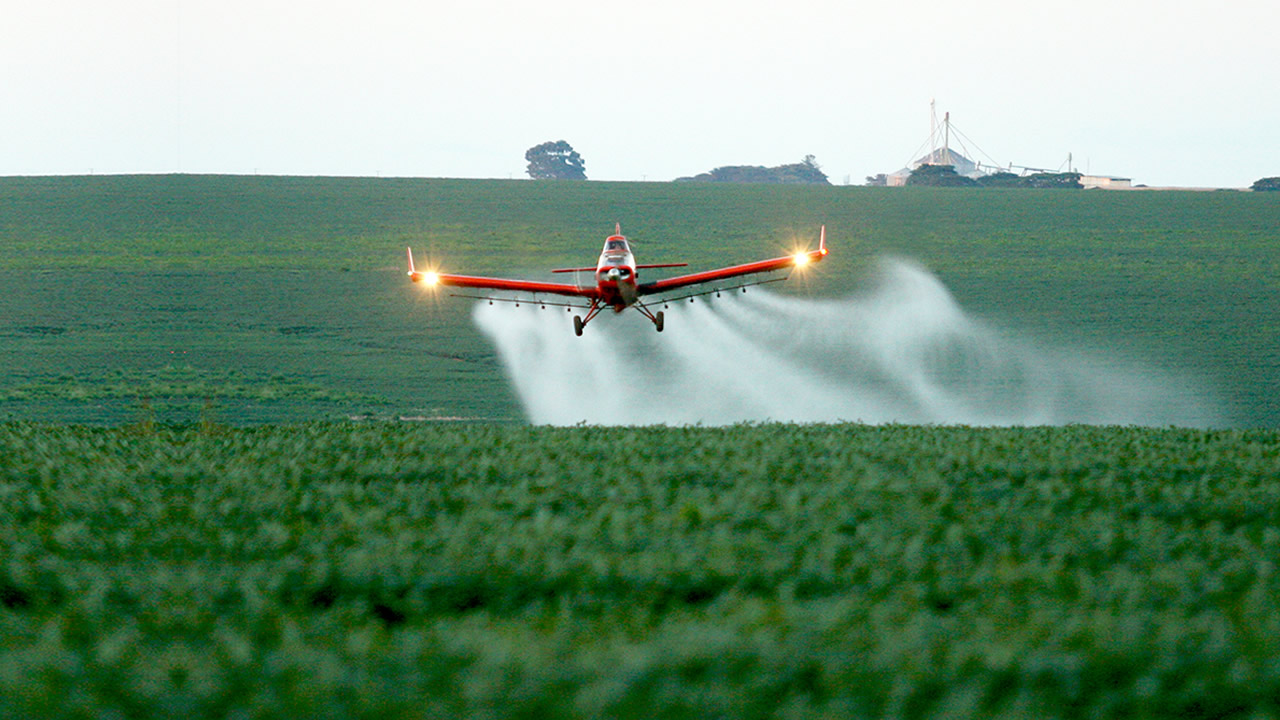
[941, 153]
[938, 155]
[941, 156]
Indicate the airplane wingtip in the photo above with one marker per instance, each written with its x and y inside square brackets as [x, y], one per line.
[413, 273]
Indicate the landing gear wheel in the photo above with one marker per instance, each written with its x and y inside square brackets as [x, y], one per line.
[578, 325]
[657, 321]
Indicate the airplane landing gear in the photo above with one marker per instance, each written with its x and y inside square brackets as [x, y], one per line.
[580, 322]
[656, 319]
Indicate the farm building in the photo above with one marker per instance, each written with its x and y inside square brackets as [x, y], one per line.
[941, 156]
[941, 153]
[1105, 182]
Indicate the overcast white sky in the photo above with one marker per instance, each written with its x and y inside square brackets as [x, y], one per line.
[1166, 92]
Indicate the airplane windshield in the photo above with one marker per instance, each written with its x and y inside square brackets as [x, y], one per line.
[616, 245]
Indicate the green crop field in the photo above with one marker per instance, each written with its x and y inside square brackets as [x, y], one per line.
[284, 299]
[409, 570]
[191, 523]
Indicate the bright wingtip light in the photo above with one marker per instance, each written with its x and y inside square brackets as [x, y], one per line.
[801, 258]
[430, 278]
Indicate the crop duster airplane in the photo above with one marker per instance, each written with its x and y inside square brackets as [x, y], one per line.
[618, 284]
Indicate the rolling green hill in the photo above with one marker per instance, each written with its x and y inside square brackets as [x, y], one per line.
[271, 298]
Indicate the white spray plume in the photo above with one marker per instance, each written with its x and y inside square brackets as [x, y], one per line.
[902, 352]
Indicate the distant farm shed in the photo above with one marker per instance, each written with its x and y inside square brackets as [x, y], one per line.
[1105, 182]
[942, 156]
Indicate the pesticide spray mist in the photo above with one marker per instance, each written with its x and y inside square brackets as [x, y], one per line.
[902, 352]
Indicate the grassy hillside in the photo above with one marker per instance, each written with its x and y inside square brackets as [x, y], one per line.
[406, 570]
[263, 298]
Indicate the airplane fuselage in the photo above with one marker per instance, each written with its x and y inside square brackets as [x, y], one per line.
[616, 274]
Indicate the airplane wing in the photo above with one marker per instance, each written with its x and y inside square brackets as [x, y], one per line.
[501, 284]
[638, 267]
[753, 268]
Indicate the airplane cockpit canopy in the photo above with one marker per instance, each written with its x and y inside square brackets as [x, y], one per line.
[616, 244]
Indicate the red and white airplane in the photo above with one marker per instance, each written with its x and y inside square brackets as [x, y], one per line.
[618, 285]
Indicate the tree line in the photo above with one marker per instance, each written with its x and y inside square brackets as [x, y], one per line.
[805, 172]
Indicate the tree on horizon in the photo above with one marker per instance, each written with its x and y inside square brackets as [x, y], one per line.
[555, 160]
